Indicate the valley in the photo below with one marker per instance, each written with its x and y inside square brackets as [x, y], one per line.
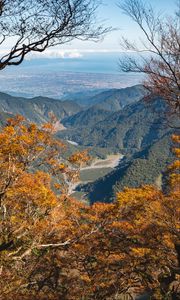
[96, 170]
[126, 137]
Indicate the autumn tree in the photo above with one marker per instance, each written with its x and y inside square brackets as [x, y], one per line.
[34, 26]
[158, 53]
[53, 245]
[32, 169]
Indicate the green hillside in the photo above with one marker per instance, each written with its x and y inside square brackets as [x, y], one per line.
[116, 99]
[85, 118]
[128, 130]
[143, 167]
[37, 109]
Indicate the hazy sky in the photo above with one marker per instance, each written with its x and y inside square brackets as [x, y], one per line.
[85, 56]
[111, 14]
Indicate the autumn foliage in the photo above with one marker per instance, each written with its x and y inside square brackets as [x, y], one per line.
[55, 247]
[161, 40]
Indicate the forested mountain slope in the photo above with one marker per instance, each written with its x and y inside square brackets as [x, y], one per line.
[37, 109]
[111, 99]
[144, 167]
[116, 99]
[131, 129]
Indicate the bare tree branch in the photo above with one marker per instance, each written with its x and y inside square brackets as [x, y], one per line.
[36, 25]
[158, 54]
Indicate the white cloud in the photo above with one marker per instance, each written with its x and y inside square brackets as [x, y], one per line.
[55, 53]
[63, 54]
[67, 53]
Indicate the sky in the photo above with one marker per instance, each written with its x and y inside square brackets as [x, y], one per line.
[111, 15]
[78, 56]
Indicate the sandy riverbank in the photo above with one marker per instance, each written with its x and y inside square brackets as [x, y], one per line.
[111, 161]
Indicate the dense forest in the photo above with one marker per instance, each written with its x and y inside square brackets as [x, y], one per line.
[51, 243]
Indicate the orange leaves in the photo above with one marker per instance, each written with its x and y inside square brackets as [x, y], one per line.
[79, 158]
[31, 195]
[48, 127]
[23, 145]
[175, 165]
[116, 257]
[85, 278]
[19, 140]
[137, 195]
[167, 238]
[139, 204]
[123, 225]
[176, 138]
[92, 251]
[177, 152]
[174, 182]
[15, 121]
[140, 251]
[61, 166]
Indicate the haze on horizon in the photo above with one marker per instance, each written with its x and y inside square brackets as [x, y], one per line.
[111, 16]
[46, 73]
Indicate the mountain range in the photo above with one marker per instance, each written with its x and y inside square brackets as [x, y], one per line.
[128, 130]
[114, 121]
[37, 109]
[112, 99]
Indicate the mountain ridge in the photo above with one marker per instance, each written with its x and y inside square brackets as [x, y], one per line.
[37, 109]
[131, 129]
[143, 167]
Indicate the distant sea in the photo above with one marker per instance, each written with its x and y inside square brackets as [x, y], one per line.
[58, 77]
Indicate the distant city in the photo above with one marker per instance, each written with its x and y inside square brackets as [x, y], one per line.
[58, 78]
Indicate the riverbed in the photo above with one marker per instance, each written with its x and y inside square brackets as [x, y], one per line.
[98, 168]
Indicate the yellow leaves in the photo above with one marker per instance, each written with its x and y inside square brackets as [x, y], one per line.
[79, 158]
[175, 165]
[48, 127]
[85, 278]
[122, 225]
[137, 195]
[9, 130]
[167, 239]
[16, 121]
[39, 148]
[175, 181]
[61, 166]
[140, 251]
[14, 219]
[177, 152]
[57, 186]
[115, 257]
[176, 138]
